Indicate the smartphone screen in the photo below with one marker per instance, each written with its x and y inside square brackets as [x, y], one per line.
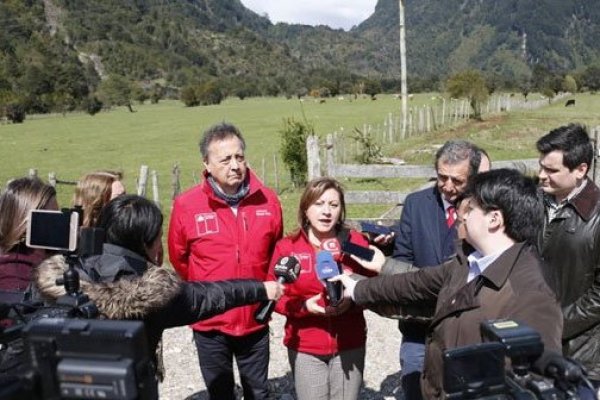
[52, 230]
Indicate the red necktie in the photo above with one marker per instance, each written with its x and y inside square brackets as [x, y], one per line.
[450, 218]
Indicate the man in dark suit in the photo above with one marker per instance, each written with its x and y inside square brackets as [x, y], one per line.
[426, 236]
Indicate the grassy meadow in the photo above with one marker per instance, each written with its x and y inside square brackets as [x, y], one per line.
[160, 135]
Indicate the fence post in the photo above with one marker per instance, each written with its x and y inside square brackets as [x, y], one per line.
[596, 170]
[312, 157]
[32, 172]
[52, 179]
[142, 181]
[175, 185]
[155, 194]
[329, 152]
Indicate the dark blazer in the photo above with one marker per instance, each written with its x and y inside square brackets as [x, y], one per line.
[422, 236]
[511, 287]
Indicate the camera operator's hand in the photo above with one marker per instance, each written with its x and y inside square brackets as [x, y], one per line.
[274, 290]
[375, 264]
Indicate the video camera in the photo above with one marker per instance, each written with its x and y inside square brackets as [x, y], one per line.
[82, 359]
[480, 371]
[58, 352]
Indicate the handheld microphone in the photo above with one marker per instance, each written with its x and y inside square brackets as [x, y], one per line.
[328, 268]
[333, 246]
[287, 270]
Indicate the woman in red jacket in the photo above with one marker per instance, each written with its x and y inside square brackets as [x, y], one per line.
[326, 342]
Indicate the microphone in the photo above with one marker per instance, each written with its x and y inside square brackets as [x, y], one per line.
[287, 270]
[333, 246]
[328, 268]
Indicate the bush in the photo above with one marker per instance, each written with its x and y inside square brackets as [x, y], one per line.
[371, 150]
[92, 105]
[15, 113]
[188, 96]
[293, 149]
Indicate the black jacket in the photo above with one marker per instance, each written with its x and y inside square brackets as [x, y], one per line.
[158, 296]
[570, 248]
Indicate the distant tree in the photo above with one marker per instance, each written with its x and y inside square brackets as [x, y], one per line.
[92, 105]
[188, 96]
[591, 78]
[293, 148]
[569, 84]
[157, 93]
[372, 87]
[209, 93]
[15, 112]
[324, 91]
[469, 84]
[139, 94]
[116, 91]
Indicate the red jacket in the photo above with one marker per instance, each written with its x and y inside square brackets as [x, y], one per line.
[306, 332]
[208, 242]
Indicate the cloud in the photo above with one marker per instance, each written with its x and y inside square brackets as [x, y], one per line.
[335, 13]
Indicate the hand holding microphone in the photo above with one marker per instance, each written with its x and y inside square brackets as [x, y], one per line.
[287, 270]
[327, 268]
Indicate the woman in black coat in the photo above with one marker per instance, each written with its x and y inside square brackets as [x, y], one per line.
[127, 282]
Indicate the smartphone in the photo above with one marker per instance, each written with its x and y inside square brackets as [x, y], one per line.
[374, 228]
[359, 251]
[52, 230]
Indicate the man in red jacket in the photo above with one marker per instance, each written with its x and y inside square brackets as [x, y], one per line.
[226, 228]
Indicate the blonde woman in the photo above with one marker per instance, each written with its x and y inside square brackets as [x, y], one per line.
[94, 190]
[17, 261]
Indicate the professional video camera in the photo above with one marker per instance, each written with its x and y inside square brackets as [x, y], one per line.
[480, 371]
[58, 352]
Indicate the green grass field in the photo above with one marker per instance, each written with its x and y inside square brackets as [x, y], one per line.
[167, 133]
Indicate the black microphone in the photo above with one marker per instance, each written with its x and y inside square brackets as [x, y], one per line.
[287, 270]
[328, 268]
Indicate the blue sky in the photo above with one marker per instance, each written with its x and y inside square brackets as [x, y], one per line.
[335, 13]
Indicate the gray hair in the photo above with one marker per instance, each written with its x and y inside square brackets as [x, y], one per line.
[219, 132]
[456, 151]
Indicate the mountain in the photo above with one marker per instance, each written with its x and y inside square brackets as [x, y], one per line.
[503, 36]
[55, 53]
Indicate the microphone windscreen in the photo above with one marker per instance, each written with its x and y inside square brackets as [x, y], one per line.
[326, 266]
[288, 268]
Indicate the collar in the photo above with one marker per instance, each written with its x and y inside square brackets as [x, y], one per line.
[585, 201]
[476, 259]
[254, 184]
[498, 271]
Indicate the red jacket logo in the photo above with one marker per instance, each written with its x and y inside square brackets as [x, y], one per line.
[206, 224]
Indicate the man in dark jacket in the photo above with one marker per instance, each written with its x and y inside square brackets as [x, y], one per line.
[425, 236]
[570, 241]
[501, 278]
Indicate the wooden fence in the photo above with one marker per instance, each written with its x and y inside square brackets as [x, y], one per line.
[427, 173]
[441, 114]
[145, 175]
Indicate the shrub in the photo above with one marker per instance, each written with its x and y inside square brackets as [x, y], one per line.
[293, 149]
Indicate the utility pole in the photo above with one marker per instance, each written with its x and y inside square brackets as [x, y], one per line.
[403, 88]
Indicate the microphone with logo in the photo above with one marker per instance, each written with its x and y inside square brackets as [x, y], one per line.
[287, 270]
[327, 267]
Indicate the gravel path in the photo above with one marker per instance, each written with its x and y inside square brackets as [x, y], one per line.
[381, 378]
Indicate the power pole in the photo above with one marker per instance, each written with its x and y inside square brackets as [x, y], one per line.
[403, 87]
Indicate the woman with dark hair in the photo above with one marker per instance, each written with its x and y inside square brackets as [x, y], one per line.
[326, 342]
[127, 282]
[17, 261]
